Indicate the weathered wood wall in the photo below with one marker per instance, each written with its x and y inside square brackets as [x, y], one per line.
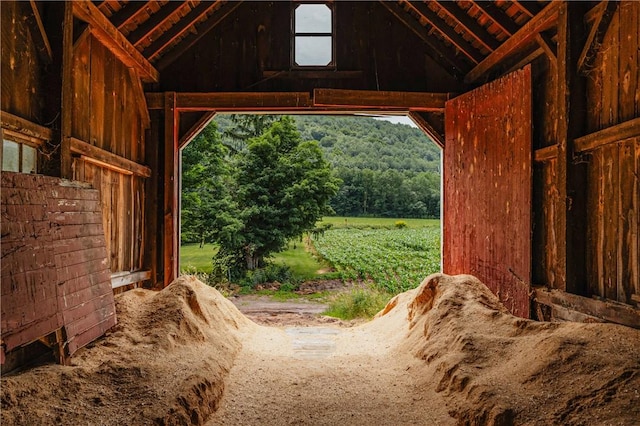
[382, 53]
[487, 181]
[613, 192]
[611, 160]
[21, 65]
[107, 114]
[55, 271]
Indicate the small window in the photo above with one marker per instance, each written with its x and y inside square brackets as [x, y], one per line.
[313, 35]
[18, 157]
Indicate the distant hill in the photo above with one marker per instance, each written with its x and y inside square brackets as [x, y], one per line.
[388, 170]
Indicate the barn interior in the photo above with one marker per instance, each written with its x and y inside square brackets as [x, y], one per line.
[535, 104]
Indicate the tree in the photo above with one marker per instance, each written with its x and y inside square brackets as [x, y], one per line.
[206, 200]
[282, 186]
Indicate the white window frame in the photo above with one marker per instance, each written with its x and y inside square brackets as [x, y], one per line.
[294, 35]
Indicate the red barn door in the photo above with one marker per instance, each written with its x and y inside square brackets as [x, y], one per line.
[487, 188]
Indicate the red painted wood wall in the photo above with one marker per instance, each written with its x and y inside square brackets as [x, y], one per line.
[488, 186]
[55, 268]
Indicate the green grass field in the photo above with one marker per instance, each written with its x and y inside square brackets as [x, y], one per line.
[375, 222]
[396, 259]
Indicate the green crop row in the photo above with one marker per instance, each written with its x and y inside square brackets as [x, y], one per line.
[396, 260]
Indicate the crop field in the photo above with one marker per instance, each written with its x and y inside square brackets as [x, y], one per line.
[396, 260]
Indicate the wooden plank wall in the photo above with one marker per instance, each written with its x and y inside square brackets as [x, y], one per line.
[613, 219]
[612, 190]
[487, 181]
[20, 66]
[55, 271]
[107, 114]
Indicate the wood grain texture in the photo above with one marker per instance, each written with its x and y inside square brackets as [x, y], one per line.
[488, 151]
[55, 268]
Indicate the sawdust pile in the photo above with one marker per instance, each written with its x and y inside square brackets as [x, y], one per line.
[164, 363]
[494, 368]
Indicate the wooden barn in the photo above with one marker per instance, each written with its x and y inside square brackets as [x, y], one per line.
[535, 104]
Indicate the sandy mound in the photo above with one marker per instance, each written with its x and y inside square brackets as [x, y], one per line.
[165, 363]
[495, 368]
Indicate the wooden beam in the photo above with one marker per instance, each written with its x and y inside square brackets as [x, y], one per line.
[159, 45]
[128, 13]
[602, 19]
[166, 12]
[528, 7]
[545, 154]
[201, 30]
[39, 34]
[527, 33]
[233, 101]
[108, 158]
[427, 128]
[196, 128]
[549, 48]
[107, 34]
[141, 100]
[497, 16]
[171, 189]
[66, 170]
[606, 310]
[120, 279]
[569, 221]
[525, 61]
[613, 134]
[440, 53]
[472, 26]
[363, 99]
[447, 32]
[21, 125]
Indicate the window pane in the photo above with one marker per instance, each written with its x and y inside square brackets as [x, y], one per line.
[28, 159]
[313, 18]
[10, 156]
[313, 51]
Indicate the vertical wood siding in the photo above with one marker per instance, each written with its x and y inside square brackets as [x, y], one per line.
[105, 114]
[487, 183]
[613, 193]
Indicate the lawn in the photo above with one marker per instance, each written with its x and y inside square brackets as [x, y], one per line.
[193, 258]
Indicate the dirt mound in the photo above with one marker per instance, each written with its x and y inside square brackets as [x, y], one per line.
[495, 368]
[165, 362]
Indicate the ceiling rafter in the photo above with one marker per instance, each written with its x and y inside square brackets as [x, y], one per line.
[442, 54]
[166, 12]
[529, 8]
[497, 16]
[200, 31]
[448, 32]
[185, 24]
[128, 13]
[472, 26]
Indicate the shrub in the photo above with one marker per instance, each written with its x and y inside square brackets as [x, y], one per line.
[401, 224]
[358, 303]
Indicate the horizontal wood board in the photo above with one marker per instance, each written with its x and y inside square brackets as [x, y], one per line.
[55, 269]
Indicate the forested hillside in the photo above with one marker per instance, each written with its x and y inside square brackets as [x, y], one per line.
[387, 170]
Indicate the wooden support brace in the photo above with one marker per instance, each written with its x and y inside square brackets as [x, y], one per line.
[426, 127]
[107, 34]
[39, 34]
[107, 159]
[527, 33]
[601, 19]
[196, 128]
[549, 47]
[545, 154]
[613, 134]
[363, 99]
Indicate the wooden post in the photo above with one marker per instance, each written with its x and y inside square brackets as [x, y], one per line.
[570, 223]
[153, 206]
[171, 189]
[67, 93]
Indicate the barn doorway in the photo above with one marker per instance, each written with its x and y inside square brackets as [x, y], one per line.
[389, 158]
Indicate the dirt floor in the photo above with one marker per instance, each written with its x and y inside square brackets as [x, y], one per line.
[445, 353]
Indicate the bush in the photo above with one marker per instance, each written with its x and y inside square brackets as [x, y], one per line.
[401, 224]
[358, 303]
[269, 274]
